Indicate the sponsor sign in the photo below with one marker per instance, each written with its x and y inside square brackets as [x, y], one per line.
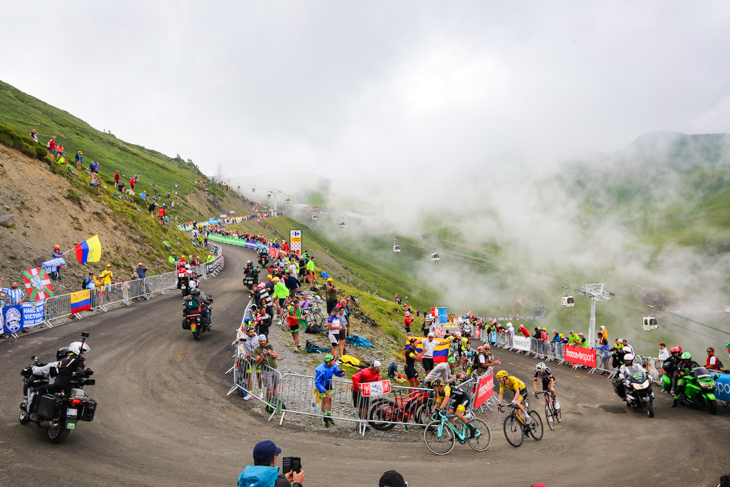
[580, 355]
[295, 240]
[521, 343]
[377, 388]
[722, 387]
[485, 389]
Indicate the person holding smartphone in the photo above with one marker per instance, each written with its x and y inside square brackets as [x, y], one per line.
[265, 357]
[264, 468]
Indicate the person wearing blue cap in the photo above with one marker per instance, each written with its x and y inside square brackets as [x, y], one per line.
[264, 471]
[265, 357]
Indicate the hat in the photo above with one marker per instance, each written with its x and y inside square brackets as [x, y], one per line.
[580, 334]
[431, 335]
[108, 265]
[376, 364]
[246, 319]
[391, 478]
[329, 279]
[81, 153]
[328, 358]
[57, 247]
[265, 451]
[479, 349]
[262, 337]
[276, 279]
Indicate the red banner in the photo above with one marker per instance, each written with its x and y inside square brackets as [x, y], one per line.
[485, 389]
[377, 388]
[580, 355]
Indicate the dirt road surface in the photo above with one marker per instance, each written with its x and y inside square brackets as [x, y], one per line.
[164, 419]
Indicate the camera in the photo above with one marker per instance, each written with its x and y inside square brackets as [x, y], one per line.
[85, 334]
[291, 464]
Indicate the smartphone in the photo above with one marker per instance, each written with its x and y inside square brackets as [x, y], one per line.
[268, 347]
[291, 464]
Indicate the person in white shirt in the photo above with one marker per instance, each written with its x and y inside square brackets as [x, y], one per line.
[663, 352]
[627, 348]
[429, 345]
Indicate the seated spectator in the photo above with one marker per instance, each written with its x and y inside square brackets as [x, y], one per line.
[264, 468]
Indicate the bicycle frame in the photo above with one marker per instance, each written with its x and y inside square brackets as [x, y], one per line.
[461, 435]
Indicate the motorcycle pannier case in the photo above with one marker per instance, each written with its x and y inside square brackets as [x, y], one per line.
[88, 411]
[185, 324]
[47, 406]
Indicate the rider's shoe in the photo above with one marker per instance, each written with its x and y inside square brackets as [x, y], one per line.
[472, 431]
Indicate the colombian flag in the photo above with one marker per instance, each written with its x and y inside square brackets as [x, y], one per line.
[89, 251]
[80, 301]
[440, 354]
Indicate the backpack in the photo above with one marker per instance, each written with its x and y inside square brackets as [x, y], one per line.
[258, 476]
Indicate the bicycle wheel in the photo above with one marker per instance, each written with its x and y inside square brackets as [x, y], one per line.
[483, 437]
[439, 438]
[549, 416]
[535, 428]
[513, 430]
[558, 414]
[383, 411]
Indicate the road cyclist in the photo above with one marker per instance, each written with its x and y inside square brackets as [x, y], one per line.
[552, 405]
[518, 387]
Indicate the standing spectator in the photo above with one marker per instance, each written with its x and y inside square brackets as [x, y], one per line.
[266, 356]
[363, 376]
[334, 326]
[132, 182]
[323, 376]
[161, 215]
[141, 270]
[96, 183]
[57, 254]
[626, 347]
[263, 321]
[429, 345]
[296, 321]
[13, 294]
[152, 208]
[411, 356]
[59, 151]
[311, 277]
[292, 283]
[605, 354]
[106, 277]
[34, 135]
[330, 294]
[265, 454]
[250, 342]
[345, 315]
[116, 180]
[133, 276]
[713, 363]
[280, 294]
[79, 160]
[407, 323]
[51, 146]
[94, 167]
[663, 353]
[343, 331]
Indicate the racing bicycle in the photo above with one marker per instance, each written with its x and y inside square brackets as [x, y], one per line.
[441, 435]
[415, 405]
[551, 414]
[515, 429]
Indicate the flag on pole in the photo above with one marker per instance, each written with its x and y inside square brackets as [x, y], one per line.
[440, 354]
[80, 301]
[37, 283]
[89, 251]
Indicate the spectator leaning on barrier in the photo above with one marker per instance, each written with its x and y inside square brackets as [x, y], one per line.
[363, 376]
[141, 270]
[265, 357]
[663, 352]
[13, 294]
[250, 343]
[264, 470]
[323, 376]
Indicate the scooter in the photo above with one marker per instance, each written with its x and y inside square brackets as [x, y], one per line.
[699, 389]
[635, 389]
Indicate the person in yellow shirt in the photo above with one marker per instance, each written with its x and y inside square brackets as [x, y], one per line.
[106, 277]
[513, 383]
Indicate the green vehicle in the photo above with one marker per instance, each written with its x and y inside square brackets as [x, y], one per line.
[699, 389]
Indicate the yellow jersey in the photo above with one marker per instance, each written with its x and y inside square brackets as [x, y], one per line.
[512, 383]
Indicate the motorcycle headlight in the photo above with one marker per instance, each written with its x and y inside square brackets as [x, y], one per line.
[643, 385]
[705, 385]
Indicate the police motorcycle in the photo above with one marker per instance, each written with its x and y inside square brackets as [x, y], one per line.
[62, 410]
[635, 388]
[194, 318]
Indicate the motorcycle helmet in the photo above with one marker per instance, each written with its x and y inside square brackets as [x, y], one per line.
[502, 374]
[676, 350]
[187, 266]
[540, 367]
[249, 262]
[75, 348]
[686, 356]
[62, 352]
[195, 291]
[437, 383]
[629, 357]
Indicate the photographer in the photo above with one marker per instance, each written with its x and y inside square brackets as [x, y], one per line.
[265, 472]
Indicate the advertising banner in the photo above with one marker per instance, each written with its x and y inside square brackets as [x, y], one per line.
[722, 387]
[485, 389]
[521, 343]
[580, 355]
[376, 388]
[295, 240]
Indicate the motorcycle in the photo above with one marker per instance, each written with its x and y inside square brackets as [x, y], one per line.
[699, 389]
[194, 320]
[183, 283]
[63, 410]
[635, 389]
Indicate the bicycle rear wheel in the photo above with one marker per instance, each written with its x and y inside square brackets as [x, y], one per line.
[483, 437]
[535, 427]
[439, 438]
[513, 430]
[549, 416]
[383, 411]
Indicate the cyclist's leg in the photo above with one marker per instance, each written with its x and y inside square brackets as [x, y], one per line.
[517, 400]
[452, 420]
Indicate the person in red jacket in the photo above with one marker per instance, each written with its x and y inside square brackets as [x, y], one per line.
[362, 376]
[116, 180]
[407, 323]
[713, 363]
[523, 330]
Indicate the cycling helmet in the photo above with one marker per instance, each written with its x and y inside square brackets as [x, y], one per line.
[502, 374]
[75, 348]
[628, 357]
[676, 350]
[437, 383]
[686, 356]
[540, 367]
[451, 360]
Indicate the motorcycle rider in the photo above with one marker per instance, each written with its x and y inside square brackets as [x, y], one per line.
[671, 367]
[624, 373]
[684, 368]
[251, 271]
[73, 365]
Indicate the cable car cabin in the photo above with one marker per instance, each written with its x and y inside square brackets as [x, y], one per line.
[342, 224]
[314, 217]
[567, 301]
[435, 257]
[650, 323]
[268, 195]
[288, 201]
[396, 248]
[253, 190]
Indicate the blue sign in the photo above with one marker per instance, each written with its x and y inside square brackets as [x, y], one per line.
[13, 318]
[33, 312]
[443, 316]
[722, 387]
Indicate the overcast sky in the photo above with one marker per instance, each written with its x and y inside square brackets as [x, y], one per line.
[353, 88]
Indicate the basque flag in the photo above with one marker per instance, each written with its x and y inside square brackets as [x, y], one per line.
[80, 301]
[89, 251]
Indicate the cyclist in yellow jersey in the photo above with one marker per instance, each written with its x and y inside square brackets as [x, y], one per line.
[459, 402]
[514, 384]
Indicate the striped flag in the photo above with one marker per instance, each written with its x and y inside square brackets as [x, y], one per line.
[38, 284]
[80, 301]
[440, 354]
[89, 251]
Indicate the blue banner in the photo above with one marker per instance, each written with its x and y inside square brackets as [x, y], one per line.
[33, 313]
[722, 384]
[53, 264]
[13, 319]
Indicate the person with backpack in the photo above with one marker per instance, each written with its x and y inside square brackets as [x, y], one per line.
[264, 472]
